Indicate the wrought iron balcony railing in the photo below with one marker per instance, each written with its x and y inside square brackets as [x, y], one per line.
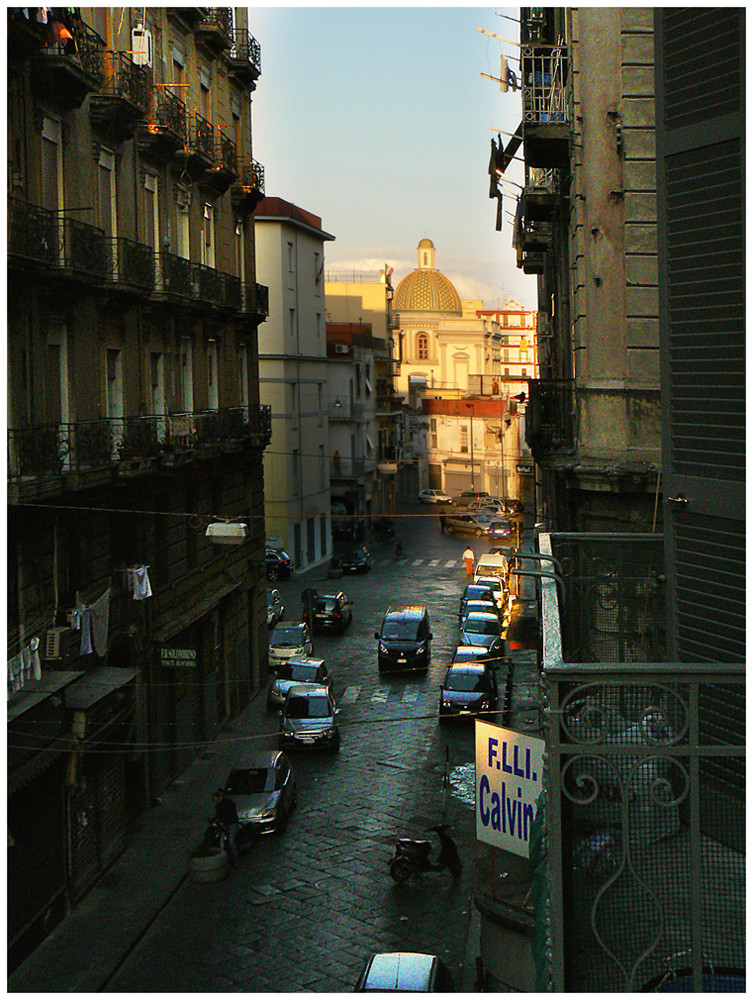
[217, 26]
[123, 78]
[544, 84]
[245, 52]
[250, 181]
[201, 138]
[550, 418]
[86, 249]
[46, 451]
[174, 276]
[225, 154]
[232, 292]
[207, 284]
[644, 783]
[170, 112]
[132, 264]
[33, 233]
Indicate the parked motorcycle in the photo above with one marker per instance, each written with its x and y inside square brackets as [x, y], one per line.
[215, 835]
[411, 857]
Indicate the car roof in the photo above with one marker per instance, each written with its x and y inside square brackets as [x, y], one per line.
[404, 971]
[407, 611]
[307, 690]
[482, 616]
[484, 581]
[254, 761]
[468, 667]
[306, 661]
[290, 625]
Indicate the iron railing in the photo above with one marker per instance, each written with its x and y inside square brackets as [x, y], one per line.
[220, 18]
[170, 112]
[251, 175]
[174, 275]
[348, 468]
[123, 78]
[644, 782]
[225, 153]
[550, 418]
[207, 284]
[132, 263]
[544, 84]
[86, 249]
[232, 292]
[33, 232]
[43, 451]
[201, 137]
[245, 48]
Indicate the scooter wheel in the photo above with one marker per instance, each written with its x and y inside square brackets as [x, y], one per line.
[401, 869]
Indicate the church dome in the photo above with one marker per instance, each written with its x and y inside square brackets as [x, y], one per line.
[426, 289]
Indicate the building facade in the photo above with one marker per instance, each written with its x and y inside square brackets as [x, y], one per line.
[134, 423]
[518, 342]
[586, 225]
[294, 380]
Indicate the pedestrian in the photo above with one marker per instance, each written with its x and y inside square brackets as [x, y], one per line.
[226, 813]
[442, 521]
[468, 557]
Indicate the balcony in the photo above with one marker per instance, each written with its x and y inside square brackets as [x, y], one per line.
[540, 197]
[207, 284]
[546, 115]
[248, 191]
[173, 278]
[86, 251]
[164, 130]
[256, 302]
[122, 100]
[245, 58]
[532, 261]
[197, 155]
[132, 265]
[34, 237]
[45, 458]
[349, 468]
[215, 30]
[550, 416]
[644, 784]
[224, 169]
[64, 73]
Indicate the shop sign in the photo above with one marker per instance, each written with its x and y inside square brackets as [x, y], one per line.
[180, 658]
[525, 469]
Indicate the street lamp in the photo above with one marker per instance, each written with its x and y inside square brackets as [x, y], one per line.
[470, 407]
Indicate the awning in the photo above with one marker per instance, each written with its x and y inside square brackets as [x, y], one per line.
[193, 613]
[96, 685]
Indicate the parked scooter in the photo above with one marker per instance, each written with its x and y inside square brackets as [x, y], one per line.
[216, 835]
[411, 857]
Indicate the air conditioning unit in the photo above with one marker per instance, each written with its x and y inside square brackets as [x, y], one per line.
[222, 533]
[341, 348]
[53, 643]
[142, 47]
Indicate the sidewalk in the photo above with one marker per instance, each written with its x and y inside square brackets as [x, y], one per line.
[88, 946]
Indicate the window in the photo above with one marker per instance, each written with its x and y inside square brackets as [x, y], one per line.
[464, 439]
[107, 200]
[319, 326]
[205, 101]
[213, 395]
[207, 236]
[292, 323]
[186, 373]
[422, 347]
[52, 164]
[322, 480]
[318, 266]
[243, 374]
[319, 398]
[179, 65]
[151, 211]
[291, 258]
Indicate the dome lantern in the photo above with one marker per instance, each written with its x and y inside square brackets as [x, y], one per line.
[426, 289]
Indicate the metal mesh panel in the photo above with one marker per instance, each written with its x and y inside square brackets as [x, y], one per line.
[614, 597]
[648, 891]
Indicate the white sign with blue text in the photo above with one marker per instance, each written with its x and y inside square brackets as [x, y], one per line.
[508, 782]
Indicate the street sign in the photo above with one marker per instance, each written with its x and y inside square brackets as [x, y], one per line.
[180, 658]
[508, 782]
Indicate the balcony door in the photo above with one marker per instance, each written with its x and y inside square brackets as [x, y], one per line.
[57, 389]
[151, 211]
[52, 171]
[114, 400]
[186, 374]
[207, 236]
[158, 402]
[213, 393]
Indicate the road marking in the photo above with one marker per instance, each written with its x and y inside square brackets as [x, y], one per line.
[417, 562]
[381, 694]
[434, 562]
[410, 696]
[450, 563]
[350, 694]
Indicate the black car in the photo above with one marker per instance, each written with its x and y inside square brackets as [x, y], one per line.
[468, 689]
[279, 564]
[473, 592]
[356, 561]
[331, 612]
[404, 639]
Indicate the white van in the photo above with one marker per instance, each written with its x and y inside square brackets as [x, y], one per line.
[492, 564]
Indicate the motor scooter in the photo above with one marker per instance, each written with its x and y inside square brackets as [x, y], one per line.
[411, 857]
[216, 835]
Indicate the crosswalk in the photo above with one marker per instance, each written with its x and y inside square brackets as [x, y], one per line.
[430, 563]
[380, 695]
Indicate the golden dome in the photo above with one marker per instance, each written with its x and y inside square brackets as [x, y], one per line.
[426, 289]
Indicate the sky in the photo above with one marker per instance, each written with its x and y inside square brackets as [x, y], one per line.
[378, 120]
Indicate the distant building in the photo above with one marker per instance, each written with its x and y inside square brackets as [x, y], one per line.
[518, 342]
[294, 380]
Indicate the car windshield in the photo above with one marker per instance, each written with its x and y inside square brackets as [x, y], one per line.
[326, 604]
[463, 681]
[493, 583]
[400, 630]
[287, 637]
[303, 672]
[300, 707]
[468, 655]
[251, 781]
[476, 593]
[481, 626]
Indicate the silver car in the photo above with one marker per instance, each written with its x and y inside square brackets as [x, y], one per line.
[297, 670]
[483, 629]
[308, 718]
[263, 789]
[289, 639]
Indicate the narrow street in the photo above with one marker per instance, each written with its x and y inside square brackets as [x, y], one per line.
[304, 909]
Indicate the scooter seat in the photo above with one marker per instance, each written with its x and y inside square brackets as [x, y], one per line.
[418, 848]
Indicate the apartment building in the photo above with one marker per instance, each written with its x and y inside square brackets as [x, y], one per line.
[136, 607]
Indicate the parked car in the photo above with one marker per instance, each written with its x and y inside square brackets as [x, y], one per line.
[263, 789]
[514, 505]
[475, 604]
[433, 496]
[470, 654]
[331, 612]
[501, 529]
[308, 718]
[483, 629]
[404, 639]
[356, 561]
[279, 564]
[468, 689]
[289, 639]
[275, 608]
[297, 670]
[464, 524]
[405, 972]
[497, 587]
[473, 591]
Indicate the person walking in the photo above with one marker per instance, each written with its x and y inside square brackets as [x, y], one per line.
[442, 521]
[226, 813]
[468, 557]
